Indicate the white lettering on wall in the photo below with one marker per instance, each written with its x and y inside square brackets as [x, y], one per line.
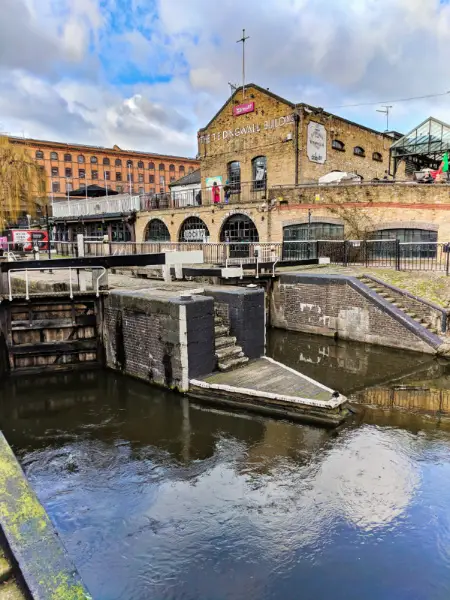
[316, 147]
[248, 130]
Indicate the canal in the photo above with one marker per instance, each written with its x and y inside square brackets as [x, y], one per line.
[159, 498]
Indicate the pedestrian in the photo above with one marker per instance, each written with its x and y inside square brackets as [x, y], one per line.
[198, 198]
[216, 193]
[227, 192]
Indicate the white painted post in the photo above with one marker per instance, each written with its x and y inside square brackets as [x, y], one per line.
[81, 273]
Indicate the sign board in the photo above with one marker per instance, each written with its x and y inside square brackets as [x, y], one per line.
[209, 181]
[28, 238]
[243, 109]
[316, 146]
[194, 235]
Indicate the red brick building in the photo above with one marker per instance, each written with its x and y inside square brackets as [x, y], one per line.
[71, 166]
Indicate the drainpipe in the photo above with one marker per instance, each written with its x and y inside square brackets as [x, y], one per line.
[296, 146]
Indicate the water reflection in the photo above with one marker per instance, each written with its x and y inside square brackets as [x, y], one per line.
[156, 497]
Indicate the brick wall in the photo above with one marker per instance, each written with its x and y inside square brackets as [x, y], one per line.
[410, 205]
[272, 129]
[163, 341]
[342, 306]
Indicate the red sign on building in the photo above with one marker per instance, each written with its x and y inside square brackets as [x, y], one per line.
[242, 109]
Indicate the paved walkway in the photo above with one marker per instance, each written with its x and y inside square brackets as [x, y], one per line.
[267, 378]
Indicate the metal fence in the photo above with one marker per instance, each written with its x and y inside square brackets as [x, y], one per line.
[414, 256]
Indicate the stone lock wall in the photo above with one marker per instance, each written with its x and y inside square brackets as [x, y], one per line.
[161, 340]
[339, 305]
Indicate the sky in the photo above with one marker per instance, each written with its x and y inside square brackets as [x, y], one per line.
[147, 74]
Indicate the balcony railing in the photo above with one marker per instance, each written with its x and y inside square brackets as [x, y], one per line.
[253, 191]
[96, 206]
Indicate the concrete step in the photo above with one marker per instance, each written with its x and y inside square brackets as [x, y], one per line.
[229, 364]
[410, 314]
[220, 330]
[229, 351]
[224, 341]
[218, 320]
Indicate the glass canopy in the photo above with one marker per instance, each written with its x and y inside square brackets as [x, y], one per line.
[431, 138]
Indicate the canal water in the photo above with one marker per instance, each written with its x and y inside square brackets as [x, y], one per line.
[159, 498]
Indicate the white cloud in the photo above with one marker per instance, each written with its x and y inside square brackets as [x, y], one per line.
[98, 70]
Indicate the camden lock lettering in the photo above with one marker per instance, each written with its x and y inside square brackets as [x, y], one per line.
[248, 130]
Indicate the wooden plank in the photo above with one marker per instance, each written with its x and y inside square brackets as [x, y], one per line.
[55, 347]
[127, 260]
[269, 377]
[82, 321]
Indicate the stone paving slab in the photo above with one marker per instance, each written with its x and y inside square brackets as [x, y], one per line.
[265, 375]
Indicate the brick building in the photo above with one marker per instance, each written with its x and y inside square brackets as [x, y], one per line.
[262, 140]
[72, 166]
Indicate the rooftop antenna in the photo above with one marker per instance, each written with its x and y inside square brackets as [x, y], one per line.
[385, 112]
[243, 40]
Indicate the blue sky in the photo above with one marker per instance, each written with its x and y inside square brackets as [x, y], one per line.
[146, 74]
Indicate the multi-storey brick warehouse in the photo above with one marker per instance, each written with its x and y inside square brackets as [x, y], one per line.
[266, 140]
[72, 166]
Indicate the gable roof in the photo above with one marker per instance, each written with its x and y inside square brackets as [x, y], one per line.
[249, 85]
[189, 179]
[293, 105]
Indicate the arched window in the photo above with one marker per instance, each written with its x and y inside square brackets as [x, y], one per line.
[239, 230]
[417, 239]
[181, 169]
[161, 167]
[129, 163]
[106, 161]
[157, 231]
[94, 160]
[67, 158]
[171, 167]
[358, 151]
[234, 175]
[118, 162]
[151, 165]
[140, 164]
[80, 158]
[193, 229]
[259, 172]
[377, 156]
[338, 145]
[39, 154]
[53, 156]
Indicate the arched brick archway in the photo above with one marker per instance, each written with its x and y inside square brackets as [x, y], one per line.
[193, 229]
[239, 230]
[156, 231]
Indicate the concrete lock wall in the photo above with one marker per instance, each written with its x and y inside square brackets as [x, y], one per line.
[342, 306]
[243, 310]
[162, 340]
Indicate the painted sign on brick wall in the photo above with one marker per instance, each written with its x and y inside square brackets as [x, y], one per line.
[243, 109]
[316, 143]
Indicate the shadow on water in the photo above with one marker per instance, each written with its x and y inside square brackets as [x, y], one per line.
[157, 497]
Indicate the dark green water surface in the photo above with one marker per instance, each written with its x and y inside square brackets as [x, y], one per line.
[159, 498]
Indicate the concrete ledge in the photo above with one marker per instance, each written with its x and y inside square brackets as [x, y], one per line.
[416, 328]
[43, 561]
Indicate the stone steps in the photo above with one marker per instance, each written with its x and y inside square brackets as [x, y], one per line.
[229, 364]
[228, 351]
[228, 354]
[386, 293]
[224, 341]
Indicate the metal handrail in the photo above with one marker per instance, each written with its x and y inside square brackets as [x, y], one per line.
[70, 269]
